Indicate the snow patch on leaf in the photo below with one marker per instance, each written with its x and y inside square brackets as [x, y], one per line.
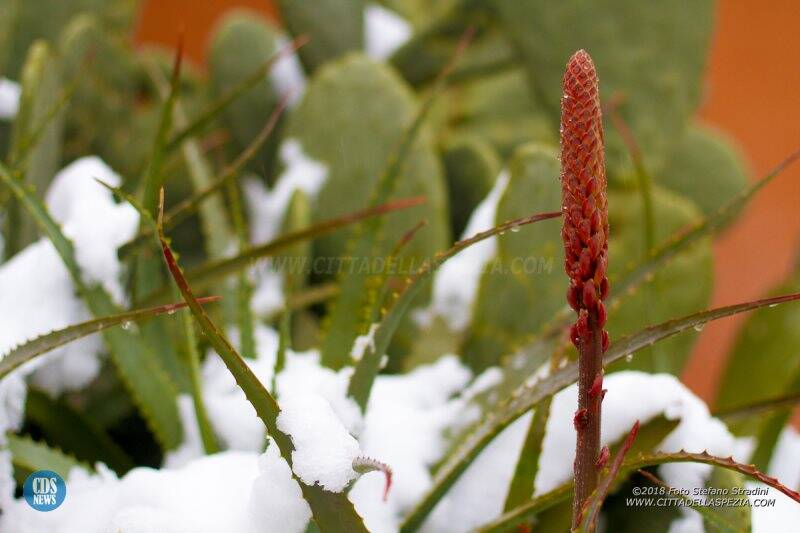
[323, 449]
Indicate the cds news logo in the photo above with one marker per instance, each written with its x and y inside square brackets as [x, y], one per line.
[44, 490]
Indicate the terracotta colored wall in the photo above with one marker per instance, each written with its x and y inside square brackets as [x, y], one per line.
[752, 93]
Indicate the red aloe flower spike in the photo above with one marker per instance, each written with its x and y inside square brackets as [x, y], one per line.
[585, 236]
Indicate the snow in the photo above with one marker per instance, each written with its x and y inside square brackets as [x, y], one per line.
[323, 449]
[455, 284]
[228, 491]
[267, 208]
[287, 75]
[77, 202]
[29, 310]
[785, 463]
[479, 495]
[95, 223]
[10, 92]
[277, 500]
[384, 31]
[782, 518]
[407, 422]
[364, 342]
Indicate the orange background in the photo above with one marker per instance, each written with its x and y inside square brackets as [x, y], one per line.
[752, 94]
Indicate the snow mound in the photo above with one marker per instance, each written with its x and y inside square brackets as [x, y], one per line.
[479, 494]
[323, 449]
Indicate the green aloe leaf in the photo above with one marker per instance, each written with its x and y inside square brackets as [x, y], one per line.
[530, 394]
[43, 344]
[332, 510]
[31, 456]
[651, 57]
[74, 432]
[333, 27]
[140, 370]
[367, 368]
[748, 379]
[180, 211]
[523, 482]
[229, 96]
[591, 510]
[651, 434]
[41, 87]
[208, 273]
[651, 459]
[242, 51]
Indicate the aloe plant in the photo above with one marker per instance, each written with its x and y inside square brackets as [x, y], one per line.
[409, 290]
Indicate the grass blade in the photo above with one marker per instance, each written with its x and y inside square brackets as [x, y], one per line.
[534, 391]
[332, 511]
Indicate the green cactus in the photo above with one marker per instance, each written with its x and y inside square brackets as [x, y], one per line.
[706, 168]
[650, 58]
[334, 27]
[241, 44]
[691, 271]
[366, 106]
[45, 19]
[471, 167]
